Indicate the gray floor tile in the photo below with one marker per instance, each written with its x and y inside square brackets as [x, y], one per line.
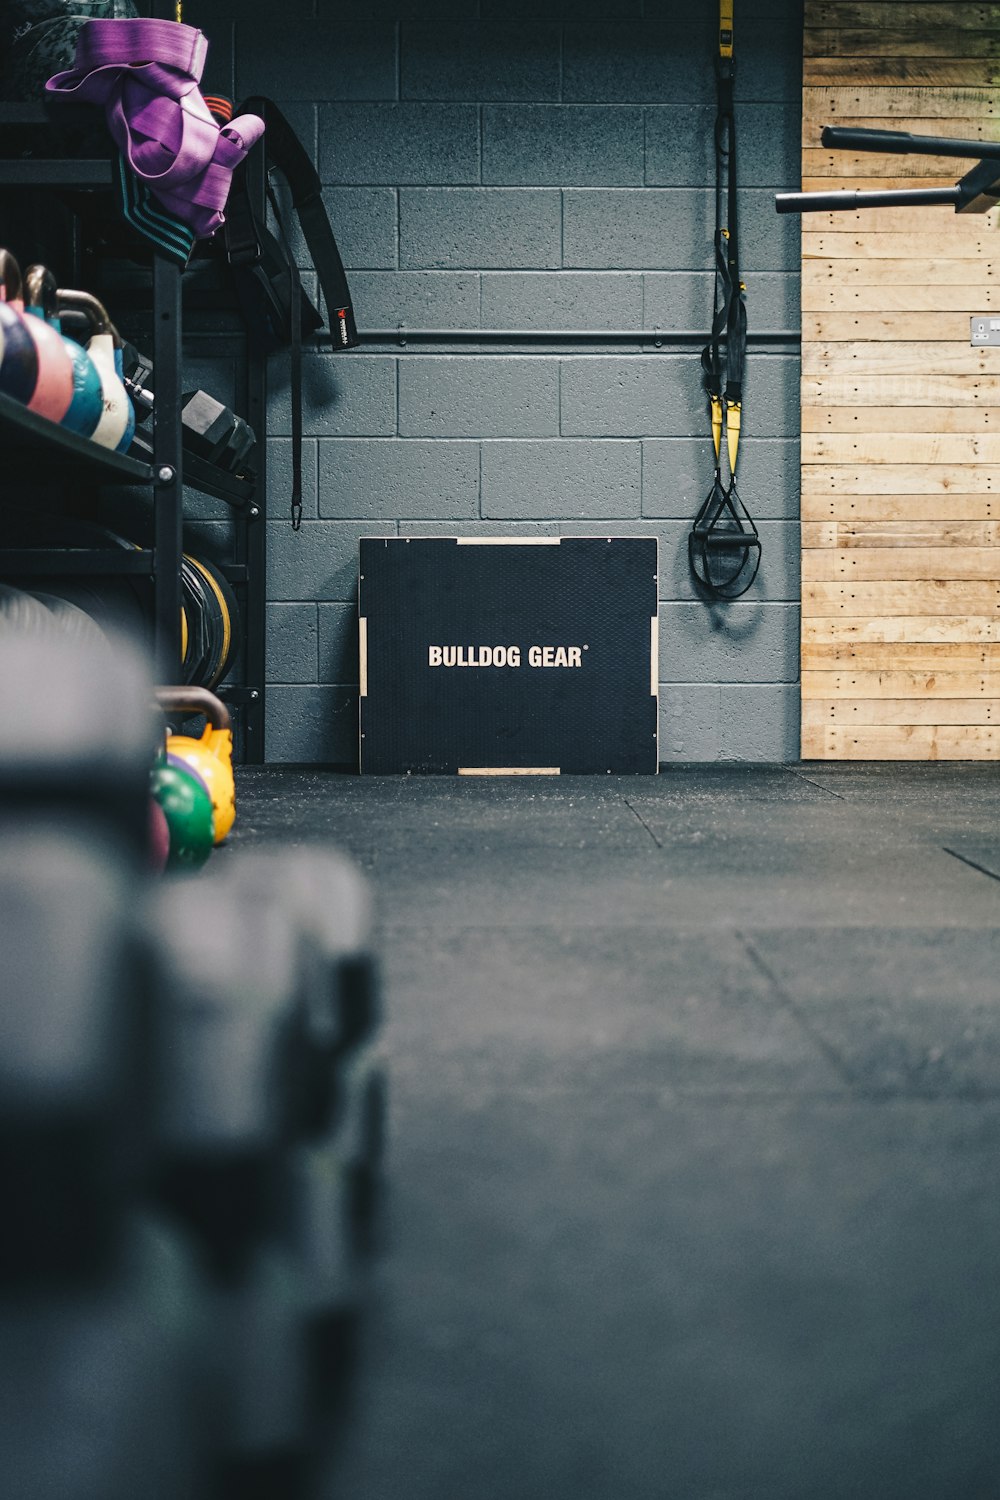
[694, 1132]
[752, 1303]
[905, 1011]
[627, 1011]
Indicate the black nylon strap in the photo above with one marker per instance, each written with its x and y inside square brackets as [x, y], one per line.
[286, 152]
[736, 318]
[295, 374]
[723, 357]
[240, 231]
[724, 545]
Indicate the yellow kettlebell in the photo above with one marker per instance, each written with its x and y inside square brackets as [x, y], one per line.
[211, 757]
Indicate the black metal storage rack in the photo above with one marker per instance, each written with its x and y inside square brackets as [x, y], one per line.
[32, 445]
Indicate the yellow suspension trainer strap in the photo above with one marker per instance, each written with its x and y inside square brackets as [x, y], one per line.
[724, 547]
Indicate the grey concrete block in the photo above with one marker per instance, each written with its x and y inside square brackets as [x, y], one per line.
[672, 229]
[746, 641]
[770, 394]
[219, 76]
[524, 529]
[417, 299]
[769, 241]
[215, 374]
[678, 299]
[397, 10]
[555, 479]
[651, 62]
[338, 643]
[319, 562]
[680, 145]
[616, 527]
[279, 477]
[666, 229]
[314, 60]
[561, 299]
[480, 228]
[774, 300]
[365, 222]
[768, 47]
[557, 145]
[777, 580]
[217, 12]
[342, 395]
[212, 12]
[311, 725]
[632, 396]
[488, 396]
[292, 639]
[759, 722]
[199, 507]
[770, 64]
[690, 721]
[784, 11]
[479, 62]
[682, 299]
[561, 10]
[677, 475]
[770, 476]
[399, 143]
[404, 477]
[769, 143]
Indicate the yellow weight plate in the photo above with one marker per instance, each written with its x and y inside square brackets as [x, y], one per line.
[226, 622]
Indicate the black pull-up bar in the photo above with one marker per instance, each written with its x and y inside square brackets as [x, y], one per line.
[976, 192]
[902, 143]
[814, 203]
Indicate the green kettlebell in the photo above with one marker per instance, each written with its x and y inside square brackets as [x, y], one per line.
[187, 808]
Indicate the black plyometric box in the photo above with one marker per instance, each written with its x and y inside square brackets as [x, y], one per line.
[508, 657]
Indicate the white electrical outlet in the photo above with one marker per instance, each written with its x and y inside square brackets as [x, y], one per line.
[985, 329]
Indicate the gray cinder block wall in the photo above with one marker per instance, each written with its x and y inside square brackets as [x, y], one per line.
[515, 165]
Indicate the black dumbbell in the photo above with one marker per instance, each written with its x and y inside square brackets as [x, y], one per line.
[209, 429]
[335, 1168]
[334, 1183]
[231, 1049]
[78, 733]
[230, 1004]
[105, 1383]
[258, 1364]
[74, 1070]
[331, 902]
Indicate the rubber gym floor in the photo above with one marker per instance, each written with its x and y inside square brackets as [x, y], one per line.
[694, 1132]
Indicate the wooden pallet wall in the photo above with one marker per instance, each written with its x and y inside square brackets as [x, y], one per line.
[900, 416]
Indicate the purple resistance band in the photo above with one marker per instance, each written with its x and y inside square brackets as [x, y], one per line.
[146, 73]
